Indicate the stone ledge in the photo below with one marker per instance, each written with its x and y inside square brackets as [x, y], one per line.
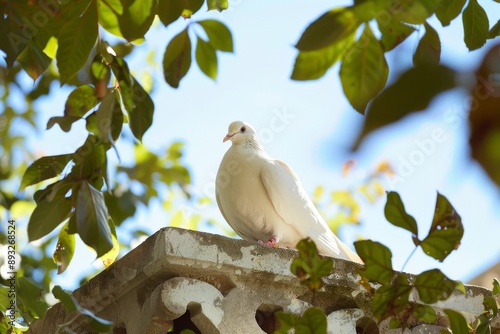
[225, 286]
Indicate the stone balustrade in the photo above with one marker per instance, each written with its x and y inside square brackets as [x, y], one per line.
[213, 284]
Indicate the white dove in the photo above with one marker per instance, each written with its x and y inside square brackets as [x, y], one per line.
[263, 200]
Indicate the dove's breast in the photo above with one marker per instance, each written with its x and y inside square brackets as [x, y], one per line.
[244, 201]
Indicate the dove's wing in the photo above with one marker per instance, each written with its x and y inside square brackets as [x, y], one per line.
[294, 206]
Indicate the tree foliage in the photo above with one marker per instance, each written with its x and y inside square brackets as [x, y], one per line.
[73, 43]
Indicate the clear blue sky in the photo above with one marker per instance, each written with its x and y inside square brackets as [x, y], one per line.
[318, 126]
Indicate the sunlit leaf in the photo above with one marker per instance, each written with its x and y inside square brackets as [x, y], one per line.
[458, 324]
[169, 11]
[428, 49]
[30, 300]
[76, 39]
[446, 11]
[401, 98]
[219, 5]
[92, 219]
[496, 287]
[206, 58]
[391, 298]
[311, 65]
[476, 25]
[331, 27]
[110, 257]
[219, 36]
[433, 285]
[137, 18]
[364, 70]
[66, 298]
[446, 231]
[396, 214]
[414, 12]
[109, 11]
[393, 32]
[313, 321]
[484, 116]
[65, 249]
[177, 58]
[80, 101]
[49, 213]
[309, 266]
[377, 259]
[44, 168]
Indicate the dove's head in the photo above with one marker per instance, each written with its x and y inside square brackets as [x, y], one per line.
[239, 132]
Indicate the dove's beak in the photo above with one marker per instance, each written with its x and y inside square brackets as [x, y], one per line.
[228, 136]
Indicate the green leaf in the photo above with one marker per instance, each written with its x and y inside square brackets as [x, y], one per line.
[71, 304]
[391, 298]
[446, 11]
[287, 321]
[137, 18]
[219, 5]
[331, 27]
[490, 306]
[219, 36]
[90, 162]
[425, 313]
[393, 32]
[313, 321]
[33, 60]
[396, 214]
[309, 267]
[458, 324]
[494, 31]
[401, 98]
[65, 297]
[104, 116]
[137, 102]
[121, 205]
[377, 259]
[80, 101]
[177, 58]
[206, 58]
[92, 219]
[30, 299]
[413, 12]
[496, 287]
[364, 70]
[428, 49]
[65, 122]
[433, 286]
[311, 65]
[44, 168]
[65, 249]
[484, 118]
[109, 11]
[169, 11]
[49, 212]
[446, 230]
[476, 25]
[76, 39]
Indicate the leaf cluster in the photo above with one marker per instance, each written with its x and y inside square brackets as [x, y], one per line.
[392, 297]
[346, 35]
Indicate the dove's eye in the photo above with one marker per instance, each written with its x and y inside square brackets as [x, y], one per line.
[243, 129]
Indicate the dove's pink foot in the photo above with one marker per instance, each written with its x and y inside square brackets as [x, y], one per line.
[271, 242]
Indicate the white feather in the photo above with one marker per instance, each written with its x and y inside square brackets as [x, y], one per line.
[262, 198]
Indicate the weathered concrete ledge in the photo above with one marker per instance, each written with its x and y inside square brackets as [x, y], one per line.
[186, 278]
